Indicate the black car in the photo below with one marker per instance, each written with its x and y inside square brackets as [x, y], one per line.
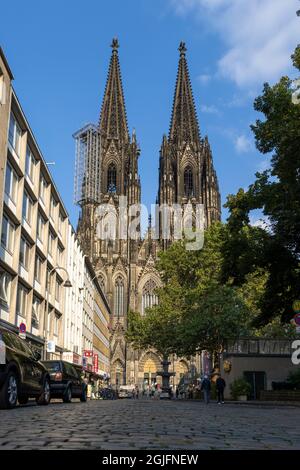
[66, 381]
[22, 376]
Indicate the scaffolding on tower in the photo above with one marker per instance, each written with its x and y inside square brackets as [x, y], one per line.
[87, 165]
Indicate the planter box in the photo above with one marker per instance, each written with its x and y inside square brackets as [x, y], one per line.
[242, 398]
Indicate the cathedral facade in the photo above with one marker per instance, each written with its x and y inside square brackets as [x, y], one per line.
[126, 267]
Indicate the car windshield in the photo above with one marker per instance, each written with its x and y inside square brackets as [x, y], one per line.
[52, 366]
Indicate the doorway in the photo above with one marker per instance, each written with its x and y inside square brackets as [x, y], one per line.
[257, 380]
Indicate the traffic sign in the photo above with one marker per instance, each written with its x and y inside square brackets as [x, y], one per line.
[22, 331]
[51, 346]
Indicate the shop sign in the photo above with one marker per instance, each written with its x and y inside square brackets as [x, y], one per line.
[88, 353]
[95, 363]
[84, 362]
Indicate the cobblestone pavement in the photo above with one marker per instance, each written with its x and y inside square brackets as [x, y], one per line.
[149, 424]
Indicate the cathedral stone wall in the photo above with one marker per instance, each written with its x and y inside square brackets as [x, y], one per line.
[126, 268]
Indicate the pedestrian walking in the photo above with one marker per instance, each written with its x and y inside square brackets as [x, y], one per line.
[206, 387]
[177, 393]
[220, 386]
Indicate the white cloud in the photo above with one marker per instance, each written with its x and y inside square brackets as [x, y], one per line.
[243, 144]
[204, 78]
[210, 109]
[259, 35]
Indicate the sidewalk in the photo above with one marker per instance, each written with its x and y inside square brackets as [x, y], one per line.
[265, 403]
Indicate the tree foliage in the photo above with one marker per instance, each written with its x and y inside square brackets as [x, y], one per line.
[277, 193]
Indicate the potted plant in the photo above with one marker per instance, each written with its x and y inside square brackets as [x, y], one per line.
[240, 389]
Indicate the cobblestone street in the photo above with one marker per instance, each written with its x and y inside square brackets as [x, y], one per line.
[149, 424]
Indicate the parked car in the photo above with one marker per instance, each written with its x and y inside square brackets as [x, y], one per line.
[125, 391]
[66, 381]
[22, 376]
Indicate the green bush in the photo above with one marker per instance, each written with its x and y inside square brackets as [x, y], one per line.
[294, 379]
[239, 387]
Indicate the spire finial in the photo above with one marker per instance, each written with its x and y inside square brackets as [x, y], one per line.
[182, 49]
[115, 45]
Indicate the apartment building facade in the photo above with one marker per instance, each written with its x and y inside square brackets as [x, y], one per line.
[101, 334]
[33, 238]
[46, 282]
[73, 316]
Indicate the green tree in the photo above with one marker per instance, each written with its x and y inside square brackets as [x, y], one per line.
[196, 311]
[277, 192]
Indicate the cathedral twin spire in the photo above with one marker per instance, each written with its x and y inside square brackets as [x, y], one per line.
[113, 120]
[186, 166]
[184, 123]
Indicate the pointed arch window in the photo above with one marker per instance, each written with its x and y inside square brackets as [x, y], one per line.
[119, 297]
[188, 182]
[111, 179]
[149, 298]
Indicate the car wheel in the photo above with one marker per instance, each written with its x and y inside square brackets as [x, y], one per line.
[44, 398]
[83, 396]
[67, 397]
[9, 391]
[23, 400]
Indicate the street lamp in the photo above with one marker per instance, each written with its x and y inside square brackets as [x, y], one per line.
[67, 283]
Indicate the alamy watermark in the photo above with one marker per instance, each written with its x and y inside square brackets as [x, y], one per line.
[172, 222]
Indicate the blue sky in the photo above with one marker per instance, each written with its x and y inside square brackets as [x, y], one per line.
[59, 54]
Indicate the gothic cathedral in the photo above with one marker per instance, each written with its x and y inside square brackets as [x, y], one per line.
[126, 268]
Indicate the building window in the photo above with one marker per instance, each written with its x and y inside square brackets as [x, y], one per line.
[14, 134]
[60, 223]
[5, 280]
[7, 234]
[111, 178]
[188, 182]
[22, 301]
[51, 243]
[40, 227]
[38, 269]
[149, 298]
[27, 208]
[11, 183]
[30, 164]
[119, 297]
[59, 256]
[56, 325]
[57, 291]
[49, 280]
[36, 308]
[24, 253]
[43, 188]
[53, 205]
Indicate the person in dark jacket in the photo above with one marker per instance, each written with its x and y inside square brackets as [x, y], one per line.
[206, 387]
[220, 386]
